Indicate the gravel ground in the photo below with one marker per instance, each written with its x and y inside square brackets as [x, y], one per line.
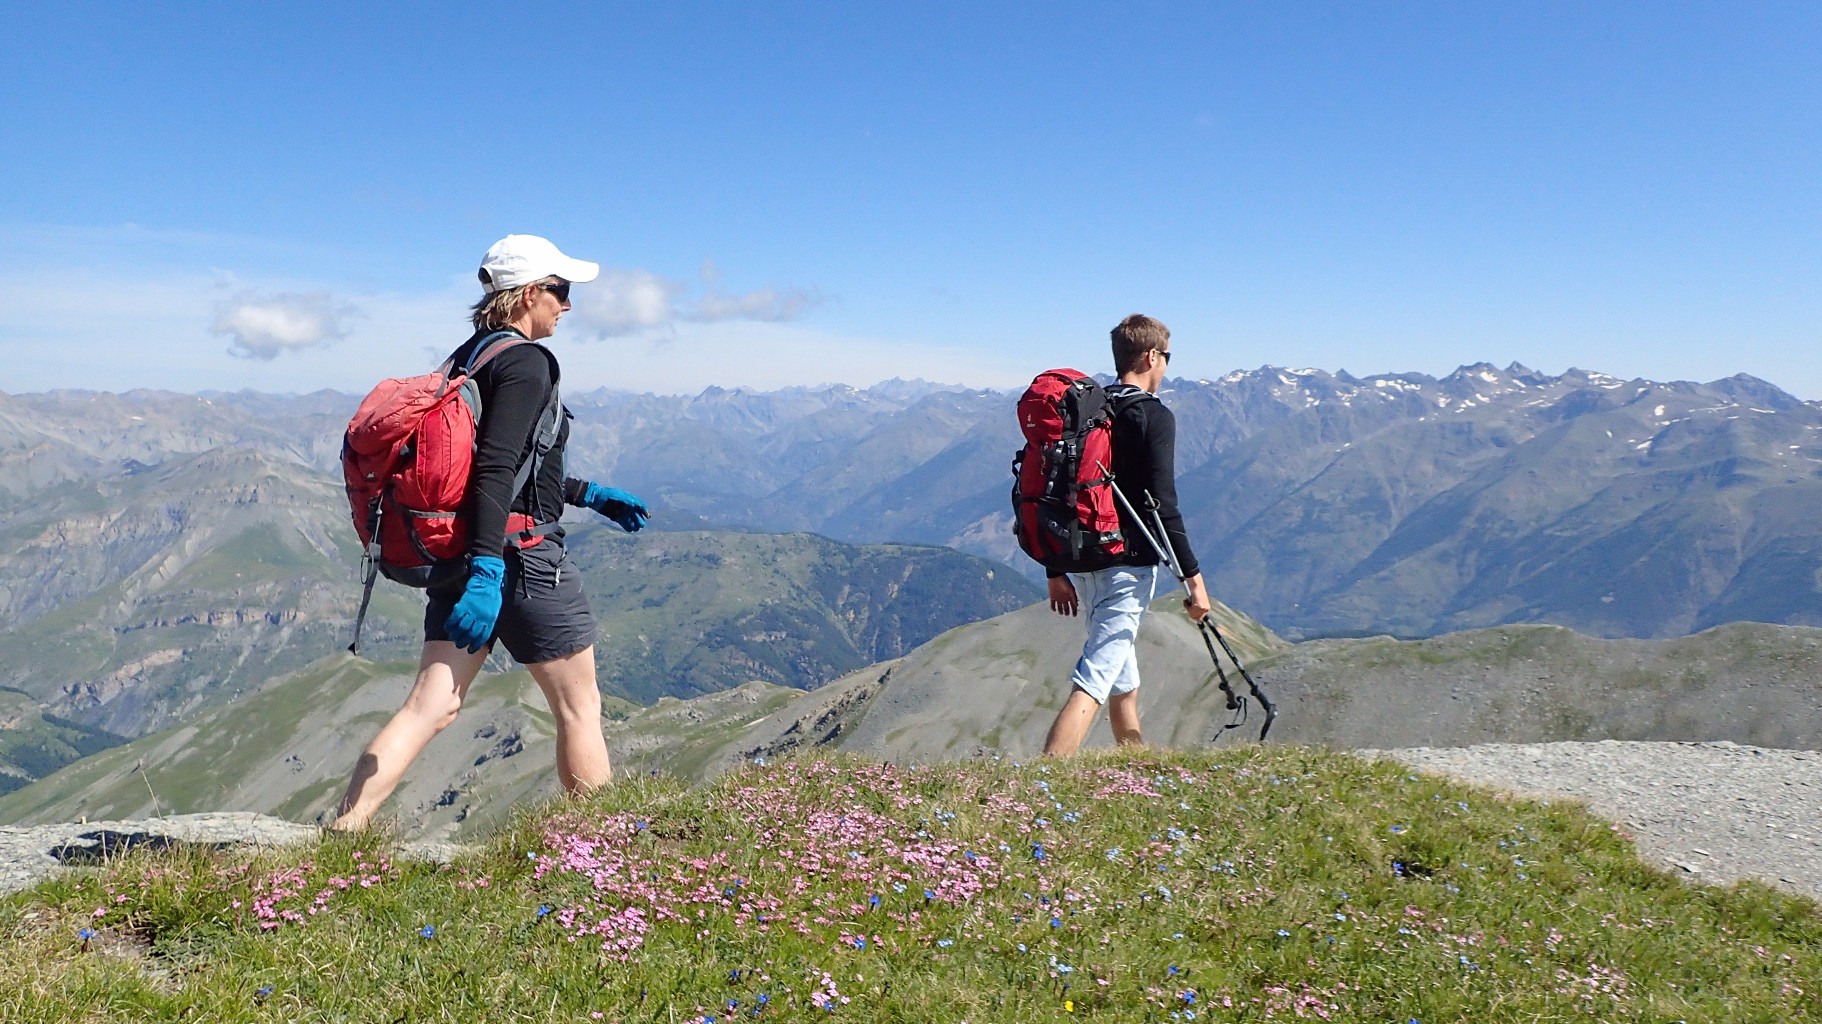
[1717, 812]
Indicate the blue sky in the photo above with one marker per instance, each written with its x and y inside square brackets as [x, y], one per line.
[291, 197]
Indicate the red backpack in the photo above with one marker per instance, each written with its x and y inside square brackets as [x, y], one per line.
[406, 459]
[1062, 498]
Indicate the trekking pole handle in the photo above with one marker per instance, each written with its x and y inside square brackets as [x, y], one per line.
[1157, 519]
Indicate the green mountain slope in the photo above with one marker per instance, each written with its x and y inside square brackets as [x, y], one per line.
[34, 744]
[288, 750]
[684, 614]
[133, 602]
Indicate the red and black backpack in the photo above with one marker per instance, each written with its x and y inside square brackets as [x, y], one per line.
[1062, 495]
[406, 460]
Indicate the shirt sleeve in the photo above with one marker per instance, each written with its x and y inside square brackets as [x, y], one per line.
[516, 391]
[1162, 435]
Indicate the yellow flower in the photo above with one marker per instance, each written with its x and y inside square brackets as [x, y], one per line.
[1068, 1006]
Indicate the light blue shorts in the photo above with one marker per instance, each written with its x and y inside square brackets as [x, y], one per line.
[1114, 600]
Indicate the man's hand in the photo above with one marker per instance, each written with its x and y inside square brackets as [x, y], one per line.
[1196, 604]
[1062, 595]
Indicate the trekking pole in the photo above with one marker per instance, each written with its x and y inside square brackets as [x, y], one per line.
[1211, 633]
[370, 561]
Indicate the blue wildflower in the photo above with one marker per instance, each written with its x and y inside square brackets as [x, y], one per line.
[1173, 969]
[928, 895]
[945, 943]
[1283, 934]
[1397, 828]
[873, 900]
[543, 909]
[860, 943]
[428, 931]
[1056, 922]
[1037, 851]
[86, 934]
[263, 993]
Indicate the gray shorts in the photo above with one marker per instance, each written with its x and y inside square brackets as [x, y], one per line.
[543, 615]
[1115, 599]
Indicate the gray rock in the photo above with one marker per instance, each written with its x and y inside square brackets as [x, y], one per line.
[30, 854]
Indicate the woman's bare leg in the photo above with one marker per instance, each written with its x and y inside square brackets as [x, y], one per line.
[444, 674]
[569, 687]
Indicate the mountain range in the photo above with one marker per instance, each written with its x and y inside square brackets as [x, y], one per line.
[1326, 504]
[162, 554]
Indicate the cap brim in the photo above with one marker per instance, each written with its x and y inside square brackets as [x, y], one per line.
[577, 271]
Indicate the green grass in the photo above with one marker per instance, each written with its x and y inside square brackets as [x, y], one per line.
[1250, 884]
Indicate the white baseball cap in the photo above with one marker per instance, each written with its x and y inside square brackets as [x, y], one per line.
[522, 259]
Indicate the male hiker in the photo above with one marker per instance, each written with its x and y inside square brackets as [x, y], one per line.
[1144, 463]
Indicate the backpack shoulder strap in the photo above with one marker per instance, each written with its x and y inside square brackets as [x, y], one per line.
[490, 346]
[1122, 396]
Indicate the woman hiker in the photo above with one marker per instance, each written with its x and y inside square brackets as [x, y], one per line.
[518, 588]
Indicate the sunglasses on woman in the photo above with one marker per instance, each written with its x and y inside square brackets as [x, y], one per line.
[558, 288]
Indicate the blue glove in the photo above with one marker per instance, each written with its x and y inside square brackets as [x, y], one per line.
[470, 624]
[617, 505]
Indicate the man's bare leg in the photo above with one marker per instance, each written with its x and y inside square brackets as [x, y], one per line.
[1123, 715]
[569, 687]
[1072, 725]
[444, 674]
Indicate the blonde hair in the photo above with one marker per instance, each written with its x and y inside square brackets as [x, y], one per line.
[496, 309]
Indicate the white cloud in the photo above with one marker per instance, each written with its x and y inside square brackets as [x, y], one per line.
[630, 301]
[766, 304]
[625, 301]
[262, 327]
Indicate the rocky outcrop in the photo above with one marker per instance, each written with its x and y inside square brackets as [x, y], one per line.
[29, 855]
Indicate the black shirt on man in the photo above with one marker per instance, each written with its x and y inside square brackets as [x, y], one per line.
[1145, 462]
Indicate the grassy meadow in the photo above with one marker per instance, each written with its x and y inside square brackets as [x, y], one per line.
[1274, 883]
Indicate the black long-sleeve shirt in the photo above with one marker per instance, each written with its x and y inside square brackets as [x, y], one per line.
[515, 387]
[1145, 461]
